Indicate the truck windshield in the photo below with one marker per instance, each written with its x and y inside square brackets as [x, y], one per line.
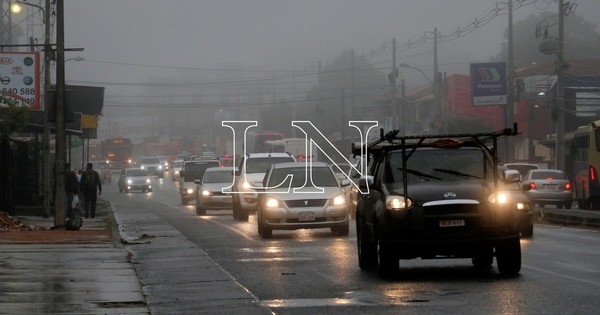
[442, 165]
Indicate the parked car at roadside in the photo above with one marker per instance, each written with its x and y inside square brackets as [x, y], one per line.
[282, 208]
[549, 186]
[134, 179]
[209, 190]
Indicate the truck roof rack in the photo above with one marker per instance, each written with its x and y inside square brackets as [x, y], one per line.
[391, 140]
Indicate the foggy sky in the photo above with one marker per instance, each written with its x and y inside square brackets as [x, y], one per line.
[132, 41]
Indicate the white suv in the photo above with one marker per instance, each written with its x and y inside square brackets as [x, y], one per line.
[252, 169]
[152, 166]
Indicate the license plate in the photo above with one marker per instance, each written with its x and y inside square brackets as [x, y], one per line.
[551, 186]
[451, 223]
[306, 216]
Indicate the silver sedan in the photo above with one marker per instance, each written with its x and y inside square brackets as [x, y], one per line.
[549, 187]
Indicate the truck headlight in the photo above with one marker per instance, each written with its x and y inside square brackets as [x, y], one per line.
[523, 206]
[397, 202]
[501, 197]
[147, 180]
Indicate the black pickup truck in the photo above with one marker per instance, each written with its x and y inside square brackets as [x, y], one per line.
[437, 196]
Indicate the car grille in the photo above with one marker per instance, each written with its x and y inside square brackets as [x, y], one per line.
[138, 181]
[151, 169]
[305, 203]
[450, 209]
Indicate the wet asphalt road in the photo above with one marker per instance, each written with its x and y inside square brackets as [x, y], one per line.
[313, 271]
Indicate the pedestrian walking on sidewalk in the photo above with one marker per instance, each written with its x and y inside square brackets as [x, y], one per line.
[71, 189]
[90, 185]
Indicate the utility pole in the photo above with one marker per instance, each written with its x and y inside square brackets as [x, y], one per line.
[510, 99]
[436, 82]
[60, 198]
[560, 92]
[46, 136]
[343, 119]
[393, 112]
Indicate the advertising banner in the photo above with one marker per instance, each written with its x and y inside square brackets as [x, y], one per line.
[20, 78]
[488, 83]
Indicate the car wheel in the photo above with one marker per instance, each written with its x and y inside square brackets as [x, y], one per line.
[484, 258]
[200, 211]
[388, 265]
[367, 251]
[342, 230]
[508, 257]
[243, 214]
[149, 190]
[237, 208]
[120, 190]
[263, 231]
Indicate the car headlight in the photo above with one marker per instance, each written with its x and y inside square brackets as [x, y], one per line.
[142, 167]
[339, 200]
[177, 172]
[129, 181]
[397, 202]
[190, 190]
[245, 185]
[147, 180]
[272, 203]
[129, 161]
[205, 193]
[501, 197]
[160, 167]
[523, 206]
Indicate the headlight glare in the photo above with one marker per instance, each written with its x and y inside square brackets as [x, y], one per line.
[339, 200]
[245, 185]
[272, 203]
[397, 202]
[190, 190]
[501, 197]
[147, 180]
[205, 193]
[129, 181]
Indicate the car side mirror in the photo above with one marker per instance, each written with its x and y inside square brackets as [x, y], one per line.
[197, 182]
[345, 183]
[181, 173]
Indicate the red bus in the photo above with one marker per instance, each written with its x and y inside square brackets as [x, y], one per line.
[118, 152]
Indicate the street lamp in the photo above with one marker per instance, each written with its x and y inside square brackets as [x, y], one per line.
[16, 8]
[405, 65]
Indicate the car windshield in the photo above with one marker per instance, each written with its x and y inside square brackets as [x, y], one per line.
[150, 161]
[522, 169]
[548, 175]
[261, 165]
[224, 176]
[136, 173]
[439, 165]
[321, 177]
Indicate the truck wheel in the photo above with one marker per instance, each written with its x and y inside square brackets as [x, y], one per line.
[484, 258]
[508, 257]
[367, 251]
[388, 265]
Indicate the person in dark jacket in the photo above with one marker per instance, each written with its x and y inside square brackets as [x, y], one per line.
[90, 185]
[71, 188]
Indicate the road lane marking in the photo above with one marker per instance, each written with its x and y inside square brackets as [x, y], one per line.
[563, 275]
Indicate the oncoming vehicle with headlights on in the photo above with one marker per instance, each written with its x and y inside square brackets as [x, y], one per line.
[295, 197]
[191, 171]
[213, 192]
[134, 179]
[436, 197]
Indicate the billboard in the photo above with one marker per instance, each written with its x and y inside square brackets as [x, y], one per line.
[20, 78]
[488, 83]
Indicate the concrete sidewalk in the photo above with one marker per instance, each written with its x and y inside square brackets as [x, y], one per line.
[121, 262]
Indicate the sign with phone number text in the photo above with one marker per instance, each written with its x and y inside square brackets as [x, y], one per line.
[20, 78]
